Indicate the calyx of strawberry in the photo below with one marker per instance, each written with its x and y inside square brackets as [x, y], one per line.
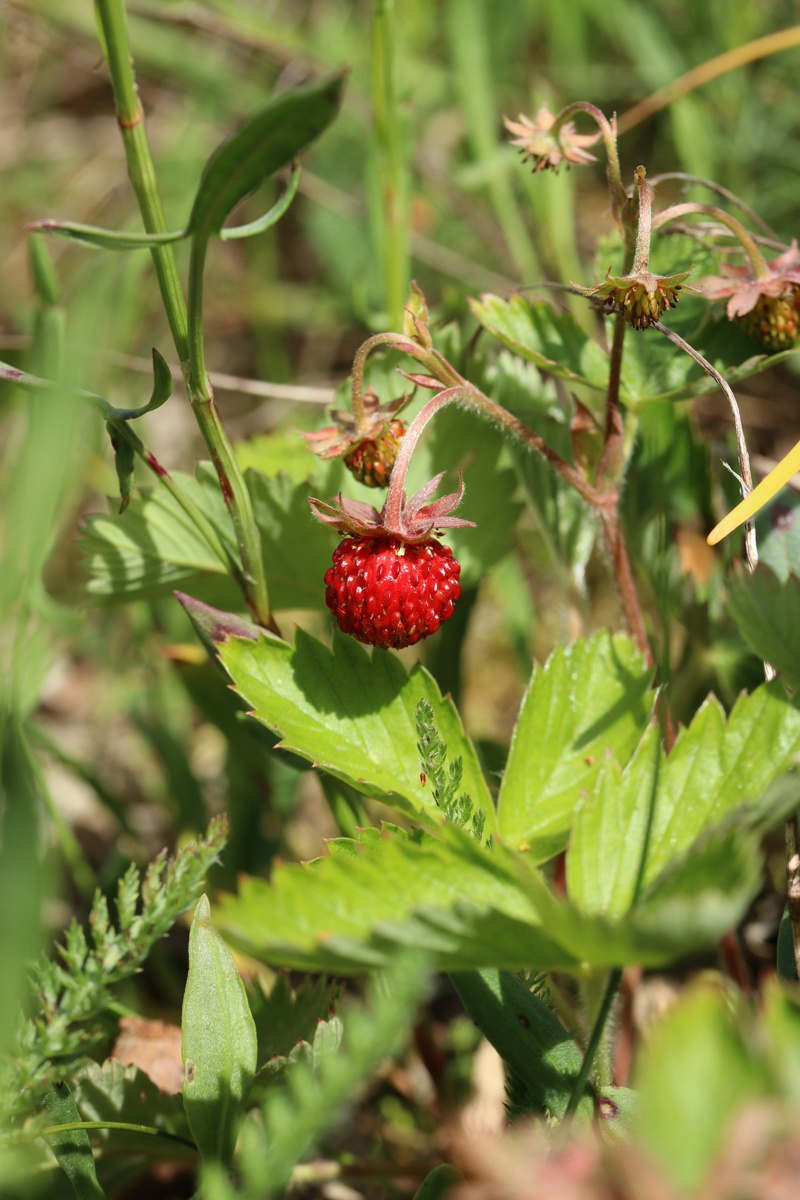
[415, 521]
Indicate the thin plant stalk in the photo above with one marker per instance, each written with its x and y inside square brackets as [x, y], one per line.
[127, 1126]
[742, 235]
[188, 341]
[598, 1031]
[390, 164]
[750, 544]
[712, 68]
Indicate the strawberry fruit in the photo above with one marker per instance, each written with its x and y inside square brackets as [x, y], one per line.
[391, 582]
[391, 593]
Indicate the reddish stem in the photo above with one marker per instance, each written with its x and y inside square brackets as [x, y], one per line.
[618, 552]
[393, 508]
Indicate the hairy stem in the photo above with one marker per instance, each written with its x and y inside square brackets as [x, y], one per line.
[743, 236]
[609, 132]
[623, 575]
[392, 509]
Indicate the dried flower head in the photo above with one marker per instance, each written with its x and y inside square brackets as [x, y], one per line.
[369, 446]
[547, 149]
[765, 303]
[372, 460]
[642, 296]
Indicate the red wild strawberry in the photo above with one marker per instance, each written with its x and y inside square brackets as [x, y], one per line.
[389, 593]
[391, 582]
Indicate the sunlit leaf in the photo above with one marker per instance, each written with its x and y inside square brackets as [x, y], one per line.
[352, 714]
[589, 701]
[643, 820]
[469, 908]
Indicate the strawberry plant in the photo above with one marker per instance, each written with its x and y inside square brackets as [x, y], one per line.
[620, 829]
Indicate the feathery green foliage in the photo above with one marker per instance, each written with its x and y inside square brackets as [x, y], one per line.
[72, 994]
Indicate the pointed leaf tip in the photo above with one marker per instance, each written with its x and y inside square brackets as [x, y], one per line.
[269, 140]
[213, 625]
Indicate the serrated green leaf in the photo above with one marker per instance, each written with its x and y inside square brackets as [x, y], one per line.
[655, 370]
[113, 1092]
[296, 1114]
[641, 821]
[219, 1045]
[552, 341]
[279, 451]
[766, 611]
[352, 714]
[590, 700]
[156, 548]
[719, 767]
[467, 907]
[285, 1017]
[567, 525]
[266, 142]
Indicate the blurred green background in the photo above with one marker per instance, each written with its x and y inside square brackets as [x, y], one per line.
[135, 738]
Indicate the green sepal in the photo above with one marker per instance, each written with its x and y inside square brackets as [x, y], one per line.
[71, 1147]
[219, 1045]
